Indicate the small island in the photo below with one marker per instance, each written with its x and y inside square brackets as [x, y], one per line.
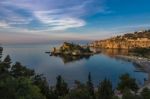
[72, 49]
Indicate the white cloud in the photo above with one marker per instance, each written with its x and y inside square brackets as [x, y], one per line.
[12, 16]
[19, 20]
[49, 14]
[4, 25]
[58, 21]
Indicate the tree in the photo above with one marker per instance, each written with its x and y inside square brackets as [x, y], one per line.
[26, 90]
[90, 86]
[41, 82]
[7, 88]
[61, 87]
[127, 82]
[105, 90]
[7, 60]
[145, 93]
[21, 88]
[127, 94]
[79, 92]
[18, 70]
[1, 50]
[5, 65]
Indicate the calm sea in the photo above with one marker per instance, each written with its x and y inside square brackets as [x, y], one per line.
[101, 66]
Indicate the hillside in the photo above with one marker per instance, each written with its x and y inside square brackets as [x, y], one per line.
[127, 41]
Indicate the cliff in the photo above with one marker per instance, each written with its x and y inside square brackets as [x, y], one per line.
[126, 41]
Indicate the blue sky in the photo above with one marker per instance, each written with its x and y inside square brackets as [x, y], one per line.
[43, 20]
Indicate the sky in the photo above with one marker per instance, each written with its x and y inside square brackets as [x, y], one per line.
[25, 21]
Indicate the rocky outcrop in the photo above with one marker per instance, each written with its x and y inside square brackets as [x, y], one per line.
[72, 49]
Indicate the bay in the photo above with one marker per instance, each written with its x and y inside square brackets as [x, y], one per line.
[101, 66]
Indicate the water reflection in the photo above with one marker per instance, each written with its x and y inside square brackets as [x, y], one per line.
[70, 59]
[114, 52]
[109, 52]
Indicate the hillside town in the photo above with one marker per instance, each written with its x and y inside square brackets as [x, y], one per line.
[128, 41]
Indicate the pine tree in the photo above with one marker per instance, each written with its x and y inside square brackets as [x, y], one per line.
[5, 65]
[105, 90]
[127, 82]
[90, 86]
[1, 50]
[61, 87]
[7, 61]
[18, 70]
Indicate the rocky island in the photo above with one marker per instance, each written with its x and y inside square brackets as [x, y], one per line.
[72, 50]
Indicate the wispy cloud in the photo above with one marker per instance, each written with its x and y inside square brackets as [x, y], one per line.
[3, 24]
[49, 15]
[58, 21]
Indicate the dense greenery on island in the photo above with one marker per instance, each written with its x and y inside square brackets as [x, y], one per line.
[19, 82]
[69, 52]
[72, 49]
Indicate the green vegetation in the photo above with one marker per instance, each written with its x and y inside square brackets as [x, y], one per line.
[19, 82]
[61, 87]
[146, 93]
[127, 94]
[1, 49]
[126, 82]
[135, 35]
[72, 49]
[105, 90]
[71, 52]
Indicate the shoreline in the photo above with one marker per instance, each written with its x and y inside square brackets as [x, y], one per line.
[143, 63]
[140, 61]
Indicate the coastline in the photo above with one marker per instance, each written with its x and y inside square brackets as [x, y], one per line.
[143, 63]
